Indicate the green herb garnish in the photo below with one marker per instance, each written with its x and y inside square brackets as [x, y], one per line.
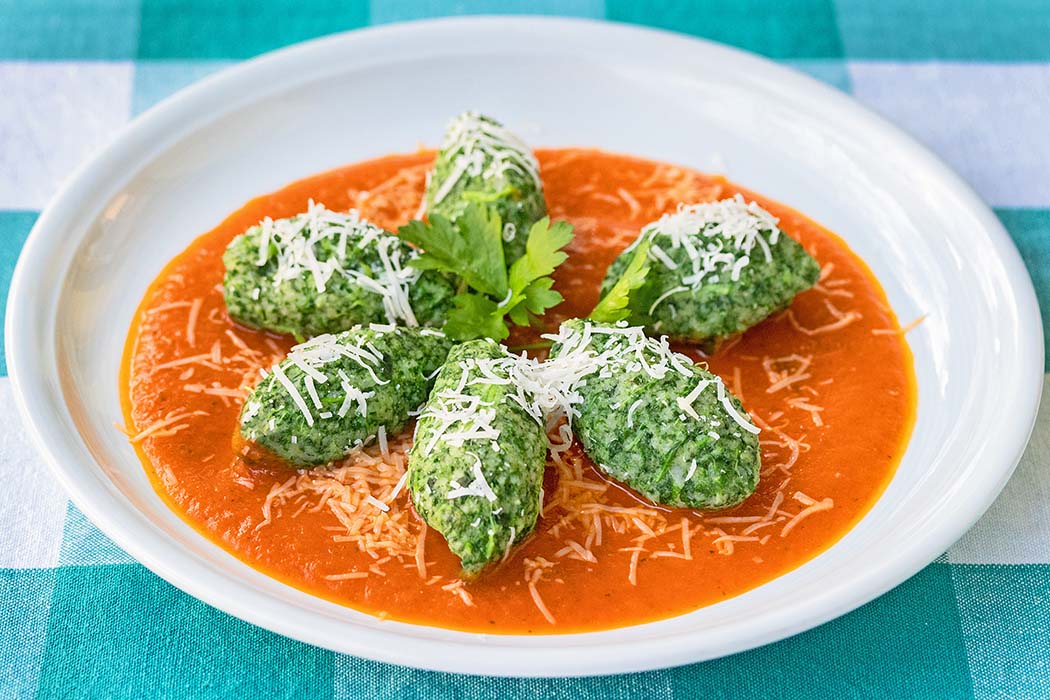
[614, 306]
[471, 247]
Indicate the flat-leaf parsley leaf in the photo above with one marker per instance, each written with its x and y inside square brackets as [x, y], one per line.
[471, 247]
[615, 306]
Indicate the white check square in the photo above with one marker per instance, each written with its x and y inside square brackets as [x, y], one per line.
[988, 121]
[1016, 529]
[32, 504]
[53, 116]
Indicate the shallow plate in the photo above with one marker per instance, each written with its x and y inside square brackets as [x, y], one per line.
[179, 169]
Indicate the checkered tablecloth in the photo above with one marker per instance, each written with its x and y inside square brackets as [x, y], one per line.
[79, 618]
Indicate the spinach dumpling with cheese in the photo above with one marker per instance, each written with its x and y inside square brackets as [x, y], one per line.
[478, 455]
[652, 419]
[324, 271]
[481, 161]
[334, 393]
[716, 269]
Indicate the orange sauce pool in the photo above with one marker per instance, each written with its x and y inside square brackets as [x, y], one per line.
[830, 380]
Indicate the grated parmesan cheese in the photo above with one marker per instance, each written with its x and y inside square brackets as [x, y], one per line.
[478, 147]
[717, 237]
[293, 244]
[478, 487]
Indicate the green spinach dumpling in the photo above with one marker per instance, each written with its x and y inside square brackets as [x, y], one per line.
[334, 393]
[652, 419]
[324, 272]
[716, 269]
[481, 161]
[475, 470]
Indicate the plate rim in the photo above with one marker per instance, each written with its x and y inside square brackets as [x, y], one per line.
[387, 644]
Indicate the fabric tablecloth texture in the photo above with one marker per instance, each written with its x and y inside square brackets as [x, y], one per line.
[79, 618]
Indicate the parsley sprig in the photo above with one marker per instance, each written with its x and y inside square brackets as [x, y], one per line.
[471, 247]
[615, 305]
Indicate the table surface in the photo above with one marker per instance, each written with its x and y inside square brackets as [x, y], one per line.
[79, 618]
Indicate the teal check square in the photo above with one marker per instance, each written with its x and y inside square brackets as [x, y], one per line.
[90, 30]
[120, 631]
[385, 11]
[955, 30]
[203, 29]
[906, 645]
[801, 29]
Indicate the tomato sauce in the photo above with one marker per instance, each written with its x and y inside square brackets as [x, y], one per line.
[830, 380]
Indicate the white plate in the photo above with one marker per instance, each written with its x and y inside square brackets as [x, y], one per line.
[179, 169]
